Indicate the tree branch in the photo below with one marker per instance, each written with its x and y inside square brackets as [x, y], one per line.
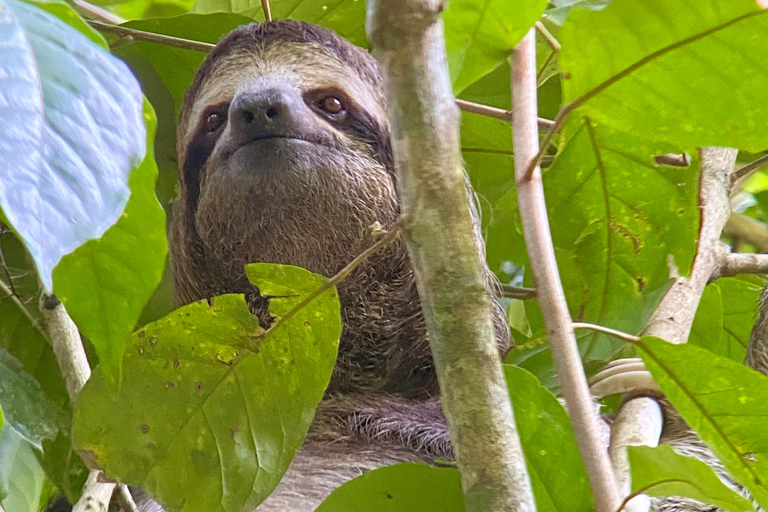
[407, 36]
[68, 348]
[497, 113]
[517, 292]
[732, 264]
[141, 35]
[541, 255]
[638, 424]
[673, 318]
[748, 230]
[93, 12]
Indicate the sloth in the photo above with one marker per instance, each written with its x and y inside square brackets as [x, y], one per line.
[284, 157]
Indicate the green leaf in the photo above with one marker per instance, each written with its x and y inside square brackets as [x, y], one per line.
[725, 402]
[662, 472]
[67, 14]
[725, 316]
[688, 73]
[480, 34]
[345, 17]
[209, 403]
[25, 406]
[405, 487]
[553, 459]
[92, 136]
[105, 283]
[21, 478]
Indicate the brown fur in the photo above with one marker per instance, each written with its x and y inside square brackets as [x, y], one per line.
[382, 405]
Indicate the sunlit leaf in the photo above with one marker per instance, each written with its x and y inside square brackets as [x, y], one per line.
[92, 136]
[21, 477]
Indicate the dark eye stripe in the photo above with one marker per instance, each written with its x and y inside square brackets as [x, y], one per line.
[199, 150]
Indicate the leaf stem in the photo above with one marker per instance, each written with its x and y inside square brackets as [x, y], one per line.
[267, 10]
[141, 35]
[607, 330]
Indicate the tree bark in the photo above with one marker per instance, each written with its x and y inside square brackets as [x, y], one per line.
[407, 39]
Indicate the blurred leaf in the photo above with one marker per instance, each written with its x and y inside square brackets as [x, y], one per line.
[725, 316]
[25, 407]
[208, 403]
[91, 137]
[404, 487]
[480, 34]
[105, 283]
[21, 477]
[552, 455]
[688, 73]
[685, 476]
[345, 17]
[725, 402]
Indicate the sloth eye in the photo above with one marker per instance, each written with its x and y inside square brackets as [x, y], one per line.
[213, 121]
[331, 105]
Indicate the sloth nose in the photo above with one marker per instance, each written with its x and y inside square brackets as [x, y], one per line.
[267, 113]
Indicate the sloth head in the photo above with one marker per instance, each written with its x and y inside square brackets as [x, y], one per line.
[284, 157]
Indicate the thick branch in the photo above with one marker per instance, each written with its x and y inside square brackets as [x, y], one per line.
[541, 254]
[407, 37]
[673, 318]
[733, 264]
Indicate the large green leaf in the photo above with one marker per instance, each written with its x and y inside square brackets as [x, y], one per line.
[616, 218]
[692, 73]
[106, 282]
[662, 472]
[346, 17]
[480, 34]
[725, 316]
[725, 402]
[406, 487]
[91, 137]
[210, 410]
[557, 472]
[21, 477]
[25, 406]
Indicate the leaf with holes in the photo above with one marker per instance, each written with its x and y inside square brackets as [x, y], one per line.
[91, 137]
[692, 73]
[211, 410]
[725, 402]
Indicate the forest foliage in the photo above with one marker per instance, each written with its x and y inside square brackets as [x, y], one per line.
[88, 172]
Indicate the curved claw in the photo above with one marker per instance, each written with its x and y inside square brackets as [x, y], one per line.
[623, 376]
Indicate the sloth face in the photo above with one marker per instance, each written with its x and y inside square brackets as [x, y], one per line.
[284, 149]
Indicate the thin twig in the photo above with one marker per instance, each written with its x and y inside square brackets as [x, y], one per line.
[497, 113]
[673, 159]
[125, 498]
[553, 43]
[613, 332]
[385, 240]
[538, 240]
[517, 292]
[16, 300]
[93, 12]
[267, 11]
[748, 230]
[751, 167]
[141, 35]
